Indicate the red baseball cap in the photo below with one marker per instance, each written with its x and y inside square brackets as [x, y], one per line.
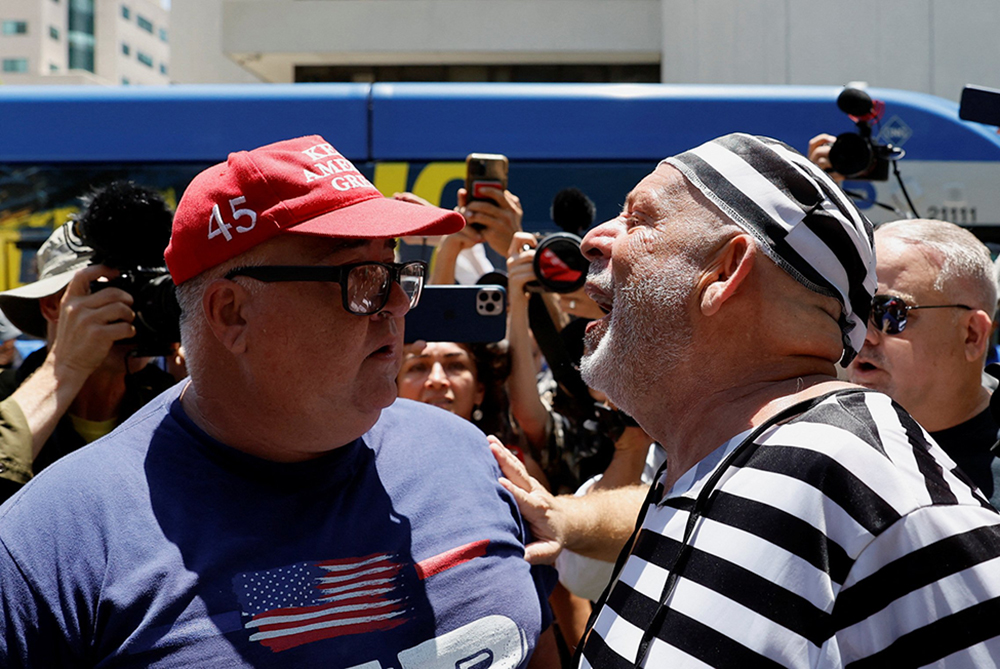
[301, 186]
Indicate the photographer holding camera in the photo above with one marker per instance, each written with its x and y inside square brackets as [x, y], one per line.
[86, 380]
[281, 507]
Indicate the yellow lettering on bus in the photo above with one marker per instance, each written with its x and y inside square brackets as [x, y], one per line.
[391, 177]
[430, 182]
[434, 177]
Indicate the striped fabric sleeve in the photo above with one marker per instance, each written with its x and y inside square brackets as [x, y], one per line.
[924, 591]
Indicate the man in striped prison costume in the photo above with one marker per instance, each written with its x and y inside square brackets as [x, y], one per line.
[799, 521]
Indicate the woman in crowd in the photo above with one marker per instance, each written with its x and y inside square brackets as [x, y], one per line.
[469, 381]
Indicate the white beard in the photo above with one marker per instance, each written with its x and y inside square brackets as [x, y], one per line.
[647, 335]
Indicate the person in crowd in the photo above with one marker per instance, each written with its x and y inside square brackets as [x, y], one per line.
[568, 448]
[10, 357]
[819, 154]
[85, 381]
[571, 448]
[468, 380]
[931, 360]
[461, 257]
[274, 510]
[929, 336]
[799, 520]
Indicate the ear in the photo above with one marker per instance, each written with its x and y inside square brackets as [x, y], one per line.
[727, 270]
[223, 304]
[978, 329]
[49, 306]
[480, 393]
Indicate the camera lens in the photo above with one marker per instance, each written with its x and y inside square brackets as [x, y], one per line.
[559, 264]
[852, 155]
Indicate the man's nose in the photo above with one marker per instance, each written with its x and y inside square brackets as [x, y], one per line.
[873, 336]
[597, 243]
[399, 302]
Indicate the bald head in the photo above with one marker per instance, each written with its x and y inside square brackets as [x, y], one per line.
[965, 267]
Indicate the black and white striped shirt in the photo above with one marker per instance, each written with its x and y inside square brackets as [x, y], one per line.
[845, 538]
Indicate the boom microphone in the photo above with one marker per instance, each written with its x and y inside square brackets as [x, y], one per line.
[854, 102]
[573, 211]
[859, 105]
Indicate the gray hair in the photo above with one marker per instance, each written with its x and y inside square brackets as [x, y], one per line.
[964, 261]
[193, 324]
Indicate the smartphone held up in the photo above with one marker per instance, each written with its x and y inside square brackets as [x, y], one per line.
[484, 170]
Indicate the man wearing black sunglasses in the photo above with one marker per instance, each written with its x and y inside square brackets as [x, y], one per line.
[275, 510]
[928, 338]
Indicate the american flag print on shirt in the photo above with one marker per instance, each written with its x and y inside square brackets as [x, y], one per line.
[309, 601]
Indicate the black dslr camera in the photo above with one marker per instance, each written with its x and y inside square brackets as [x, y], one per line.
[128, 228]
[857, 155]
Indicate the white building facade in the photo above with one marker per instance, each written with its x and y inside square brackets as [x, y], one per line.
[84, 42]
[932, 46]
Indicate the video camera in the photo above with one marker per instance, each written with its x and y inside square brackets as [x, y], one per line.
[857, 155]
[128, 228]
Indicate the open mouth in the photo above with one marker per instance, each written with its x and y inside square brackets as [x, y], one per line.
[604, 303]
[866, 367]
[383, 351]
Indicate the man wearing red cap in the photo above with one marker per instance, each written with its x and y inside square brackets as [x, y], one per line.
[274, 510]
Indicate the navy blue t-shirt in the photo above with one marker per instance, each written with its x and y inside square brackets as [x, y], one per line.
[158, 546]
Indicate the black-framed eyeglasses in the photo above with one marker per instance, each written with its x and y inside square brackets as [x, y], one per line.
[889, 312]
[365, 286]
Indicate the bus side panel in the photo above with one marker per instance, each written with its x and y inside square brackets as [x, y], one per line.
[175, 123]
[581, 122]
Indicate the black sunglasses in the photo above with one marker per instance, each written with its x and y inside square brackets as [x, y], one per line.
[365, 286]
[889, 312]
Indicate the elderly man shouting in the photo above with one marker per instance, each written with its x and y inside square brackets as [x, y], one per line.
[799, 521]
[272, 512]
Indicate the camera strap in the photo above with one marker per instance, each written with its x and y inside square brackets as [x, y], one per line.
[554, 349]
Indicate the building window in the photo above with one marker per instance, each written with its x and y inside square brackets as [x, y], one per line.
[126, 14]
[593, 73]
[80, 35]
[53, 32]
[15, 65]
[126, 50]
[144, 59]
[14, 28]
[163, 34]
[144, 23]
[163, 69]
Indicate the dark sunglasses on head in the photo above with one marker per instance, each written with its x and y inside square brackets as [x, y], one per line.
[889, 312]
[365, 286]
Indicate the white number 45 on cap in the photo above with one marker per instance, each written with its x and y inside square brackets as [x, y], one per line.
[217, 226]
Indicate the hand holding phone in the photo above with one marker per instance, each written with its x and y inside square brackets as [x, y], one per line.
[487, 204]
[485, 170]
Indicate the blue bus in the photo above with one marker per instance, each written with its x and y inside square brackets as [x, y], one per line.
[58, 142]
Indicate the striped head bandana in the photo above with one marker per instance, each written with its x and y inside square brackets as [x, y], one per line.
[799, 216]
